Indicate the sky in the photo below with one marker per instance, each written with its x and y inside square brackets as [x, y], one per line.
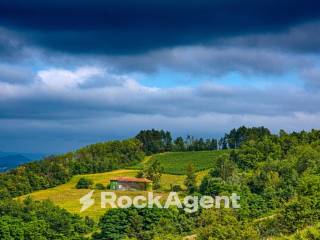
[78, 72]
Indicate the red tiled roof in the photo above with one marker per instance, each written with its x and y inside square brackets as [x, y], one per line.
[131, 179]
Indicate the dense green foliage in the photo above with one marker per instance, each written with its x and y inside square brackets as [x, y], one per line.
[158, 141]
[308, 233]
[55, 170]
[40, 221]
[276, 175]
[223, 224]
[236, 137]
[143, 224]
[84, 183]
[155, 141]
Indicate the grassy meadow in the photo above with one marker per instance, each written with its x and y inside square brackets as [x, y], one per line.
[174, 164]
[67, 196]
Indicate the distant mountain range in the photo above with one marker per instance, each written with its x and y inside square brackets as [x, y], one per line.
[9, 160]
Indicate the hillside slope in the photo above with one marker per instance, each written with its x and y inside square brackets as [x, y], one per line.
[68, 197]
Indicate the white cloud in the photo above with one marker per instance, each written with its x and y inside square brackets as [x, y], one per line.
[60, 78]
[61, 93]
[63, 105]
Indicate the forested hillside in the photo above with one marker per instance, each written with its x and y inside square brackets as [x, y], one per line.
[277, 177]
[55, 170]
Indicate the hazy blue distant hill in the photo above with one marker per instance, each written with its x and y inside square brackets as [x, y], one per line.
[10, 160]
[3, 154]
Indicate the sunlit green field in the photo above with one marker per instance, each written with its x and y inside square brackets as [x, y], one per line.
[68, 197]
[177, 162]
[174, 164]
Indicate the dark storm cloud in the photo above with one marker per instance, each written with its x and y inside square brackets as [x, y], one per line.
[126, 27]
[215, 61]
[11, 47]
[70, 70]
[304, 38]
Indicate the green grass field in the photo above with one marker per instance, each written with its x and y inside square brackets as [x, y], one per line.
[67, 196]
[177, 162]
[174, 164]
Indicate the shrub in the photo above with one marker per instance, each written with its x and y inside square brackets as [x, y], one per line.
[176, 188]
[100, 186]
[84, 183]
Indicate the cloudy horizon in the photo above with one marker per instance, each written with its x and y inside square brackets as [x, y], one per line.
[77, 72]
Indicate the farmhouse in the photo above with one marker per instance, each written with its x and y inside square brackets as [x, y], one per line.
[129, 183]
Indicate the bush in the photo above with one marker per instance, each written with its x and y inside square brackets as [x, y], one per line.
[100, 186]
[176, 188]
[84, 183]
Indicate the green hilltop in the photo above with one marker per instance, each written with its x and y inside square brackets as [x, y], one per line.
[276, 175]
